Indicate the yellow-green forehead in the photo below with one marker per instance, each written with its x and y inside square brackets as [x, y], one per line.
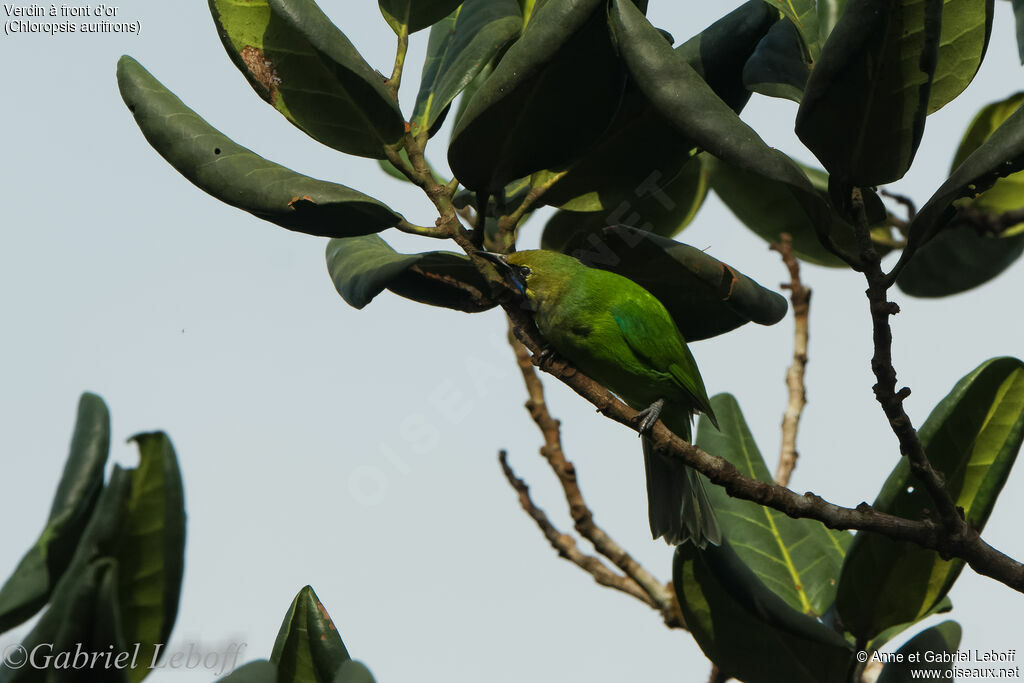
[541, 258]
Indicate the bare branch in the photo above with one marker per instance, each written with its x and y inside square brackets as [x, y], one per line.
[659, 595]
[800, 297]
[566, 546]
[986, 222]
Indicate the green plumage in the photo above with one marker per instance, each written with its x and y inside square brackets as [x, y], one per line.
[616, 332]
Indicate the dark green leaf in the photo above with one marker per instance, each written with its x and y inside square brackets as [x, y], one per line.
[553, 93]
[308, 648]
[943, 607]
[746, 629]
[303, 66]
[459, 49]
[29, 587]
[828, 12]
[719, 52]
[769, 208]
[415, 14]
[72, 603]
[956, 260]
[259, 671]
[942, 638]
[663, 210]
[778, 67]
[684, 99]
[972, 438]
[966, 27]
[238, 176]
[641, 151]
[1000, 155]
[704, 296]
[353, 672]
[864, 106]
[798, 559]
[151, 547]
[802, 14]
[362, 267]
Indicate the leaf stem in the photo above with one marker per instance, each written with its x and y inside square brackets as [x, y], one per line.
[423, 231]
[396, 73]
[508, 224]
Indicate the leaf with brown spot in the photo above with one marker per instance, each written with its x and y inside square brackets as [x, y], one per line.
[704, 296]
[307, 69]
[238, 176]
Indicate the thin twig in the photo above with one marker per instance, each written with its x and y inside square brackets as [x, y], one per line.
[507, 224]
[886, 394]
[423, 231]
[565, 545]
[659, 595]
[986, 222]
[800, 297]
[396, 74]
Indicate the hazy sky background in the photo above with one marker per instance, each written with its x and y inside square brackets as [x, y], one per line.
[356, 450]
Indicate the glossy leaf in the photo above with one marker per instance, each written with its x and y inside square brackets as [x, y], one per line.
[363, 267]
[864, 106]
[415, 14]
[684, 99]
[1007, 193]
[956, 260]
[803, 15]
[746, 629]
[661, 209]
[239, 177]
[303, 66]
[778, 66]
[1000, 155]
[353, 672]
[941, 638]
[151, 547]
[642, 152]
[72, 607]
[259, 671]
[768, 208]
[972, 438]
[308, 648]
[966, 27]
[798, 559]
[459, 48]
[719, 52]
[553, 93]
[704, 296]
[828, 12]
[32, 582]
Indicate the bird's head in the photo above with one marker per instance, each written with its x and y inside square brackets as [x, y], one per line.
[536, 275]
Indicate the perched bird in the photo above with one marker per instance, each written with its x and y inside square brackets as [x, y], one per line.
[619, 334]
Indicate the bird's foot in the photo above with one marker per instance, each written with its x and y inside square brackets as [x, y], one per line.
[647, 417]
[545, 358]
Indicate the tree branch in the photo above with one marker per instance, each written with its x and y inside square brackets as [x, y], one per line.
[967, 545]
[800, 297]
[657, 594]
[886, 394]
[565, 545]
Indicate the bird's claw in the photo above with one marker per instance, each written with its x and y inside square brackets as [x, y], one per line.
[648, 417]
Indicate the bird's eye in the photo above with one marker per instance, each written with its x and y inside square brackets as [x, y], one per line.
[524, 271]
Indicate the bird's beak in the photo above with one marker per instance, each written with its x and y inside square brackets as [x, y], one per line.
[506, 270]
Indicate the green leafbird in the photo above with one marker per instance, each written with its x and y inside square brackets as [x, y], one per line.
[618, 333]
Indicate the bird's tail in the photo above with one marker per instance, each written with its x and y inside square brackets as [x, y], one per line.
[678, 507]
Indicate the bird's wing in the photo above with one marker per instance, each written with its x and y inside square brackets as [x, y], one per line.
[656, 341]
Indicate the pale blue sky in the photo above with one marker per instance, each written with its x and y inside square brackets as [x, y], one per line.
[285, 405]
